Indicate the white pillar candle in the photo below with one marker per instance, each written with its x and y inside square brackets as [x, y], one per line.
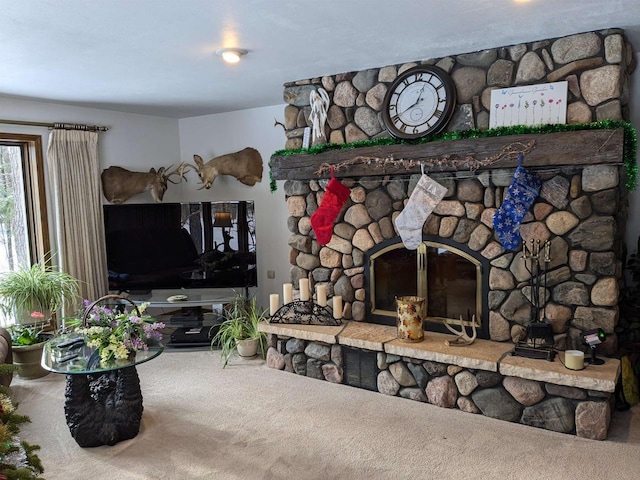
[321, 295]
[304, 289]
[574, 359]
[274, 303]
[287, 293]
[337, 306]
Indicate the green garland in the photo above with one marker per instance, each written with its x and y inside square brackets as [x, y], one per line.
[629, 149]
[10, 423]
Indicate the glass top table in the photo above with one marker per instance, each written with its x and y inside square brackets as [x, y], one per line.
[86, 360]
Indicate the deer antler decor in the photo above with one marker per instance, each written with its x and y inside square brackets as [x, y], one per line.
[462, 338]
[245, 166]
[120, 184]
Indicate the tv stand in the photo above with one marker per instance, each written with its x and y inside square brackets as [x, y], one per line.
[194, 298]
[190, 322]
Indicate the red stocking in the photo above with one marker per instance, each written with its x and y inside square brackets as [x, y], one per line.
[335, 196]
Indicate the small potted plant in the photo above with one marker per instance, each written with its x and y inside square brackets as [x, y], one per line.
[31, 296]
[239, 330]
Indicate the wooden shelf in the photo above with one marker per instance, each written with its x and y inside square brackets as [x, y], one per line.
[582, 147]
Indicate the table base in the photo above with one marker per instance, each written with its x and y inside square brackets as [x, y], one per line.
[103, 409]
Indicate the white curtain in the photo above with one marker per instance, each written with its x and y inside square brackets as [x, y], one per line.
[74, 173]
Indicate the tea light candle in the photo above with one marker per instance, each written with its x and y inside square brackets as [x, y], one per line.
[321, 295]
[304, 289]
[274, 303]
[574, 359]
[287, 293]
[337, 306]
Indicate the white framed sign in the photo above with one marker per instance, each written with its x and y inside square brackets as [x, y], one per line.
[529, 105]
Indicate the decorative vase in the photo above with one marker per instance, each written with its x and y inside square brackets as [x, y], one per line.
[28, 359]
[410, 314]
[248, 348]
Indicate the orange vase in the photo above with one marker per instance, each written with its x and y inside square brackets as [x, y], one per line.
[410, 314]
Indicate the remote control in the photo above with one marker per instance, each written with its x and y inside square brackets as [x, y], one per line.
[66, 358]
[71, 342]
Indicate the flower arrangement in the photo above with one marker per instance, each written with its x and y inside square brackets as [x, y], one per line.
[117, 333]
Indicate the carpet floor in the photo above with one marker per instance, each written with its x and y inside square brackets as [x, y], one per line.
[248, 421]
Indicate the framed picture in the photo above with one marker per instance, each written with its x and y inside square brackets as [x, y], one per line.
[529, 105]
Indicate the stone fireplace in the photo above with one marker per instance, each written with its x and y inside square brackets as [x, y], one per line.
[579, 211]
[461, 267]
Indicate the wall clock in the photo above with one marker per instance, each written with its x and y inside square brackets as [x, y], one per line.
[419, 102]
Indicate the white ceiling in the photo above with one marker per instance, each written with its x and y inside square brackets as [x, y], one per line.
[158, 57]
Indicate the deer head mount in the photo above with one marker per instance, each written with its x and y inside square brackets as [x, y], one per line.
[120, 184]
[245, 165]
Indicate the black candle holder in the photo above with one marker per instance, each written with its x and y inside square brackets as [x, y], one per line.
[304, 312]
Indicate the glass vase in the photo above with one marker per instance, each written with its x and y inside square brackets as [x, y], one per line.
[410, 312]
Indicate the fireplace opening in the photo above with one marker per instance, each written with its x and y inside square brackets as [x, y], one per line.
[452, 278]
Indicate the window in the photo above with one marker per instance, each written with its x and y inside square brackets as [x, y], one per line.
[24, 232]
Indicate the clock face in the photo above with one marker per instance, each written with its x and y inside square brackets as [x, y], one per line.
[419, 102]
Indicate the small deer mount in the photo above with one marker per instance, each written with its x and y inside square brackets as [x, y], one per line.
[120, 184]
[245, 166]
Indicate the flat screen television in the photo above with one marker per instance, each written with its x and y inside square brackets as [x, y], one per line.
[180, 245]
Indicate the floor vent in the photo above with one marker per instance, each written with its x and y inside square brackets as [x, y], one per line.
[360, 368]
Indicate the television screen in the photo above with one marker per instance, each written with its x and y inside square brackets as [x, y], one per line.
[180, 245]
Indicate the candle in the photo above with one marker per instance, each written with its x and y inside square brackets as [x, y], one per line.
[274, 303]
[304, 289]
[321, 295]
[574, 359]
[287, 293]
[337, 306]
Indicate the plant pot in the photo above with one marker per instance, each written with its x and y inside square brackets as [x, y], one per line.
[248, 348]
[28, 360]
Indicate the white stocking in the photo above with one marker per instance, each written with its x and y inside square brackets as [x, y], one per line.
[425, 197]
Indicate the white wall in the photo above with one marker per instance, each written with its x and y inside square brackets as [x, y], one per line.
[136, 141]
[139, 142]
[213, 135]
[133, 140]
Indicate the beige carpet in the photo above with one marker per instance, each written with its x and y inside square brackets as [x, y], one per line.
[251, 422]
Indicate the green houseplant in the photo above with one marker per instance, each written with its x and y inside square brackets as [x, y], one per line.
[31, 296]
[239, 329]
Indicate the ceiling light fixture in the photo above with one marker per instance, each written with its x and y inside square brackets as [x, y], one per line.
[231, 55]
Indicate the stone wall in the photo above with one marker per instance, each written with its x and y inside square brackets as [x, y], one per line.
[560, 408]
[596, 66]
[580, 211]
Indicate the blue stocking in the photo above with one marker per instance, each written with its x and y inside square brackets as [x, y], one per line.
[520, 196]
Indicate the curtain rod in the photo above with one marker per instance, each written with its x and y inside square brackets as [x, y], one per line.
[63, 126]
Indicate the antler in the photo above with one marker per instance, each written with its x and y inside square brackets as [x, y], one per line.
[180, 171]
[461, 336]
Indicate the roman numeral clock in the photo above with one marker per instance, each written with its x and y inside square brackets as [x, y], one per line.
[419, 102]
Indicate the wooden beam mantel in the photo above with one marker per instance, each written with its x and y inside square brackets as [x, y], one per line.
[582, 147]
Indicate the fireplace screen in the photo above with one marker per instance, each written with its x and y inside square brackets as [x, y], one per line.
[449, 278]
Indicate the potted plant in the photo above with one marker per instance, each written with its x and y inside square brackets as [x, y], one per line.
[32, 296]
[239, 330]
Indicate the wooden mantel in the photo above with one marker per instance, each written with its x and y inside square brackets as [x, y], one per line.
[582, 147]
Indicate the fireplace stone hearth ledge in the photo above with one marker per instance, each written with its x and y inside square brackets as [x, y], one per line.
[481, 378]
